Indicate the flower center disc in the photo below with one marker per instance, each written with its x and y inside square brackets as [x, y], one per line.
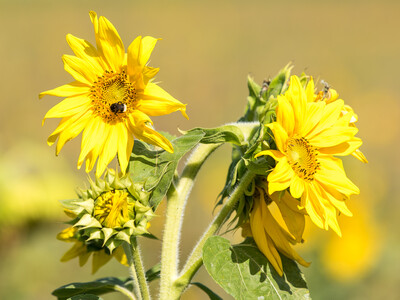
[110, 90]
[302, 158]
[112, 209]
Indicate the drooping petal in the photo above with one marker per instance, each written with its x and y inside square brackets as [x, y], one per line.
[261, 239]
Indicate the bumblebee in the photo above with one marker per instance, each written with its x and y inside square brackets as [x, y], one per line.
[118, 107]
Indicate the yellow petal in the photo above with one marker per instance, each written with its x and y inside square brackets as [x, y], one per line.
[74, 88]
[79, 69]
[329, 117]
[151, 136]
[310, 90]
[285, 115]
[333, 136]
[92, 137]
[71, 132]
[68, 107]
[86, 51]
[77, 249]
[157, 102]
[297, 97]
[360, 156]
[332, 174]
[100, 258]
[125, 144]
[280, 135]
[294, 220]
[65, 123]
[261, 239]
[343, 149]
[111, 44]
[279, 179]
[277, 155]
[296, 187]
[109, 150]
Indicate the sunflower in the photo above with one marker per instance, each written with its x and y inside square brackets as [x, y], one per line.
[307, 135]
[270, 236]
[111, 99]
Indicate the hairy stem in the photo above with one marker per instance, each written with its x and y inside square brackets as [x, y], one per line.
[140, 286]
[195, 260]
[177, 196]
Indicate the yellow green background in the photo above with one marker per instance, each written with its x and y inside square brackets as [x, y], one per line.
[208, 50]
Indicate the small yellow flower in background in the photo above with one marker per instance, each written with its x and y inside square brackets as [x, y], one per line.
[271, 234]
[308, 134]
[111, 99]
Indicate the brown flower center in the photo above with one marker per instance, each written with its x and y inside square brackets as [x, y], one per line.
[302, 157]
[113, 96]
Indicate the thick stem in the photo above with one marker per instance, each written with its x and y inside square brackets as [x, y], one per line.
[195, 260]
[177, 196]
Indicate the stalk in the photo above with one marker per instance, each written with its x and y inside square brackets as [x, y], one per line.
[176, 202]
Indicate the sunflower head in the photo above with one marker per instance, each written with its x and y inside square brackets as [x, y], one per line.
[111, 99]
[109, 213]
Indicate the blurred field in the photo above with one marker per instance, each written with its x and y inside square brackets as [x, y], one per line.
[207, 51]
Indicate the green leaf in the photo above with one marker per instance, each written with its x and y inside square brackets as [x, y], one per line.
[153, 273]
[210, 293]
[98, 287]
[224, 134]
[245, 273]
[156, 168]
[85, 297]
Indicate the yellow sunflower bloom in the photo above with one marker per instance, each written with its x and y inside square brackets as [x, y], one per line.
[111, 99]
[269, 235]
[308, 134]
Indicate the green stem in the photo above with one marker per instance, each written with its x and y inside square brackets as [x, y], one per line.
[137, 261]
[125, 292]
[140, 286]
[177, 196]
[195, 260]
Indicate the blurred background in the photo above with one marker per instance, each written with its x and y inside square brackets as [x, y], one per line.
[208, 50]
